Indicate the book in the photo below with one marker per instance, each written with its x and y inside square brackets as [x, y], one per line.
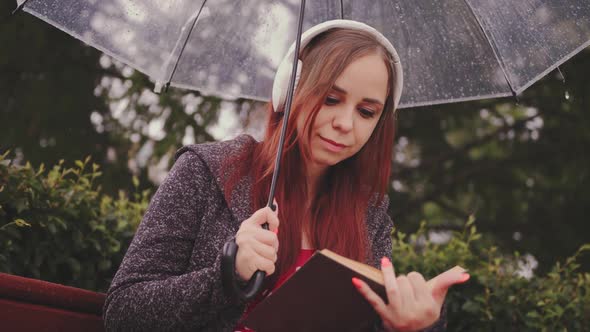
[320, 296]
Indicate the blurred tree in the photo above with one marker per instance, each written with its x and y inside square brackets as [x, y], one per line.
[46, 91]
[47, 83]
[519, 166]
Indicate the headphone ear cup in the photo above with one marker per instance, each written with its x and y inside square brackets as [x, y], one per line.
[281, 84]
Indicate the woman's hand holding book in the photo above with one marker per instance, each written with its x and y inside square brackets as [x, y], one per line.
[413, 303]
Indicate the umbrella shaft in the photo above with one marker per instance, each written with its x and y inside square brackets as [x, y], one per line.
[288, 103]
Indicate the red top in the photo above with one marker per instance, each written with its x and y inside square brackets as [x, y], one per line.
[304, 255]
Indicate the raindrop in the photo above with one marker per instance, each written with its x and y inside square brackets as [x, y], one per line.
[517, 236]
[530, 182]
[567, 95]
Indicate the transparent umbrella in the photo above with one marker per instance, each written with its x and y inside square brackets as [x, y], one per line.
[451, 50]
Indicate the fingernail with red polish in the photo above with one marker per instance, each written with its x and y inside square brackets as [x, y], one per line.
[385, 262]
[357, 283]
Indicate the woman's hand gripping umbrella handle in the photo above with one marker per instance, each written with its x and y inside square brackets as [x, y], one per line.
[229, 278]
[230, 249]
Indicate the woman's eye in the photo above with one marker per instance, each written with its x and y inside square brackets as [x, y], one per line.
[366, 112]
[331, 101]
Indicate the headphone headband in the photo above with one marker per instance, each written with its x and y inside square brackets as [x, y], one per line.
[281, 81]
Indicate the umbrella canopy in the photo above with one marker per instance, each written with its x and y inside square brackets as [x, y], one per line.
[451, 50]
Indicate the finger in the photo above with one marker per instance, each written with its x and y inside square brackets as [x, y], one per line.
[248, 262]
[421, 291]
[265, 265]
[257, 218]
[273, 221]
[374, 300]
[406, 293]
[250, 235]
[266, 237]
[391, 287]
[271, 218]
[440, 284]
[264, 215]
[265, 251]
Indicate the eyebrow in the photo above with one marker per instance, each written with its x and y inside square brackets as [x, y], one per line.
[369, 100]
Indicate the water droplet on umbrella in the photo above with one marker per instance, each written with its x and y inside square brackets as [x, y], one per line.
[567, 95]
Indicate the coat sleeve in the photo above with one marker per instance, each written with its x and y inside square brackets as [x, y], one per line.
[152, 290]
[382, 246]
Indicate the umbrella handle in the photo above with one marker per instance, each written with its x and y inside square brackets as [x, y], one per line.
[229, 278]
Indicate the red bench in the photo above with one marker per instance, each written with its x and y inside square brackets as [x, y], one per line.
[35, 305]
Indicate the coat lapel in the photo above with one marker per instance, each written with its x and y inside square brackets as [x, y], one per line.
[213, 155]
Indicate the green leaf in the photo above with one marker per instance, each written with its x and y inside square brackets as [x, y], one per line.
[21, 223]
[584, 247]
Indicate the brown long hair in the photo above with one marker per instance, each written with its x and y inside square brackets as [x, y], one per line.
[335, 217]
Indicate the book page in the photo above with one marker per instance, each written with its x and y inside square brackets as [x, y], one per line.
[361, 268]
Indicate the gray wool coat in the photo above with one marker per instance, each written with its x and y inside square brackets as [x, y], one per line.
[170, 278]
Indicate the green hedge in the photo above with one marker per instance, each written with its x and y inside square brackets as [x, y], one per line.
[56, 225]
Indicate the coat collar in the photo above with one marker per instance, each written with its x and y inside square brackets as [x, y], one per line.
[214, 155]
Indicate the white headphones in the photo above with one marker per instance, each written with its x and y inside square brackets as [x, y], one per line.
[283, 74]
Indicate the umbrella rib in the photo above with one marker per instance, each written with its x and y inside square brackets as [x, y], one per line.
[19, 7]
[342, 9]
[184, 46]
[494, 49]
[6, 18]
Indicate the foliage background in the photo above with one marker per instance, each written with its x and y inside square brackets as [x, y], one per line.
[57, 225]
[519, 167]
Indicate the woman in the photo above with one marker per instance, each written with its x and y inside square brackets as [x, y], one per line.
[331, 194]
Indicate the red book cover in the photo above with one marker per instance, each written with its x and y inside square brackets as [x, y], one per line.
[320, 297]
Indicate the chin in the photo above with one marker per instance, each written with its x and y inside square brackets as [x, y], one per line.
[327, 160]
[326, 163]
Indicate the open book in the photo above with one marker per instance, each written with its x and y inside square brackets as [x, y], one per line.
[320, 296]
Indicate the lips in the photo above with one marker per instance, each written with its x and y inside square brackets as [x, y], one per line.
[333, 143]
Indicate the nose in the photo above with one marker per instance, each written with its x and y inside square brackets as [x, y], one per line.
[344, 118]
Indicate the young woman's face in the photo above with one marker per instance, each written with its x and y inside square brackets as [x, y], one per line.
[350, 112]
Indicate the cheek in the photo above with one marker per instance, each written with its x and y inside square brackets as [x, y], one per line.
[365, 131]
[321, 118]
